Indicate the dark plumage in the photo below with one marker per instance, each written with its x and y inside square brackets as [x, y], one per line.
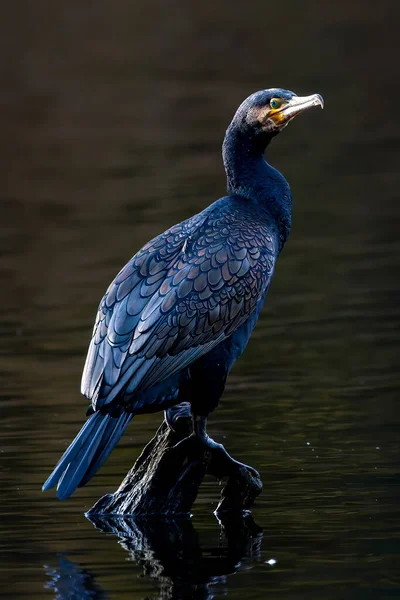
[178, 315]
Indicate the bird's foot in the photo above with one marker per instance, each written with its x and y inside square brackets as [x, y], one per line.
[198, 442]
[221, 459]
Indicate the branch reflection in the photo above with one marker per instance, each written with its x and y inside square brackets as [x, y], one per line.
[169, 552]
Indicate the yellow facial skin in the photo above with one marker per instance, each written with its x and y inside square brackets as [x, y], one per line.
[277, 116]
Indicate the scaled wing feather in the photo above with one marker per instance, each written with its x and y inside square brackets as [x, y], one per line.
[180, 296]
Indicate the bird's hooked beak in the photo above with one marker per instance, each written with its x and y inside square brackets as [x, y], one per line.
[294, 107]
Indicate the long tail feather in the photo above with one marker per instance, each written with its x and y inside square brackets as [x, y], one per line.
[78, 466]
[104, 452]
[87, 453]
[87, 430]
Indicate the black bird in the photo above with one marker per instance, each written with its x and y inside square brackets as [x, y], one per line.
[181, 311]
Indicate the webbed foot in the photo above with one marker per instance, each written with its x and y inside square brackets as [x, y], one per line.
[200, 442]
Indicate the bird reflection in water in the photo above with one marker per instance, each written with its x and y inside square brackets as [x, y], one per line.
[169, 552]
[70, 581]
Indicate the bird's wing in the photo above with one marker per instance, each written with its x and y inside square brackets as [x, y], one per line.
[180, 296]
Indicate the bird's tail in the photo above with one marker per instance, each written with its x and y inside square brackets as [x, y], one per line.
[85, 455]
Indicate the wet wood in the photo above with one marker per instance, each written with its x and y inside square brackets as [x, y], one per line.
[165, 479]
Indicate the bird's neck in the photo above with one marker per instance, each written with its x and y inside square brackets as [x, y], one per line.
[250, 176]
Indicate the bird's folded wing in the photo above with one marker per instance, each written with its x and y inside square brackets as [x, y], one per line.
[180, 296]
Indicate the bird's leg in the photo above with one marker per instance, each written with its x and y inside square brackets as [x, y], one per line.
[199, 431]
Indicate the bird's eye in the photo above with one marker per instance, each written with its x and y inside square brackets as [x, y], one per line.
[275, 103]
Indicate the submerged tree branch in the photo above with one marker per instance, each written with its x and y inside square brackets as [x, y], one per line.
[165, 479]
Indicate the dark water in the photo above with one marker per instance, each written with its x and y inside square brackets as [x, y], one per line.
[111, 123]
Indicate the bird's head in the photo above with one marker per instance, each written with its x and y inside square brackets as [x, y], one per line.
[269, 111]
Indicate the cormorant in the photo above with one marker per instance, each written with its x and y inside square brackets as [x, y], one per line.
[178, 315]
